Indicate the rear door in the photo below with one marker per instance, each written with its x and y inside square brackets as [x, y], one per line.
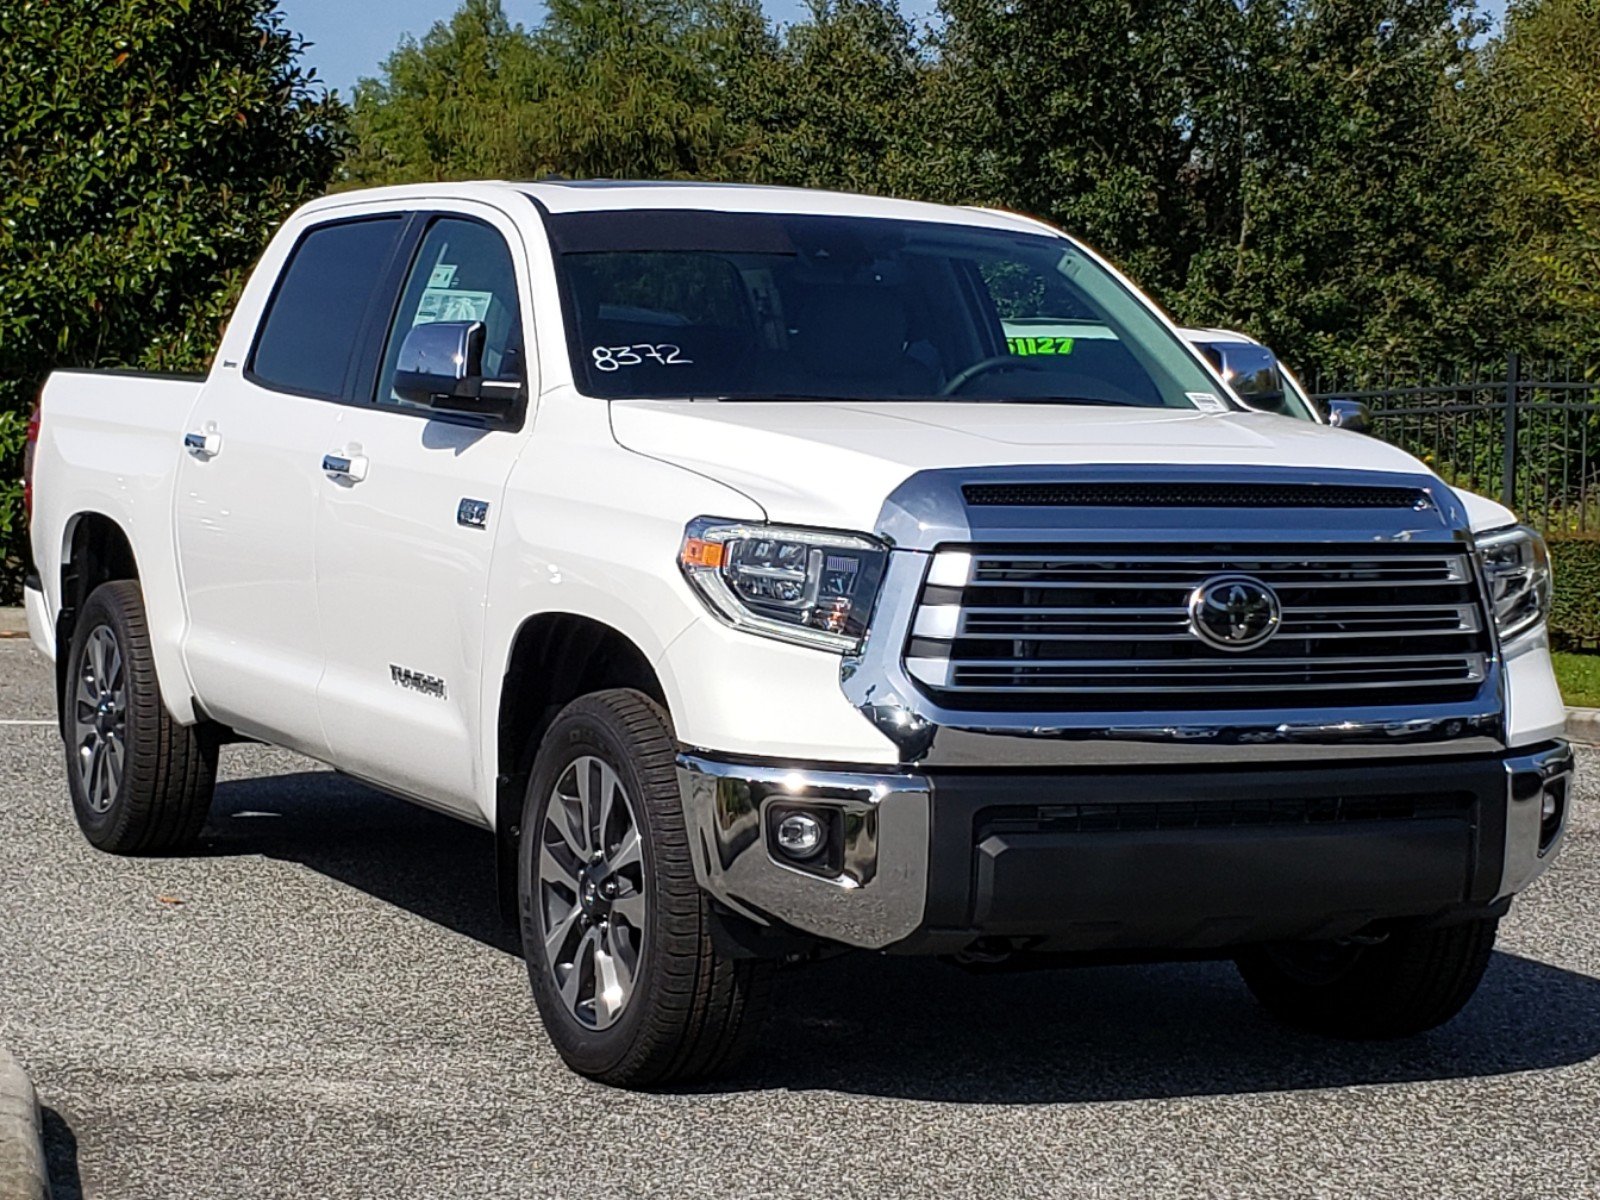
[404, 536]
[249, 487]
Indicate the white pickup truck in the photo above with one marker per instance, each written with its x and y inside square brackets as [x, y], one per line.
[773, 575]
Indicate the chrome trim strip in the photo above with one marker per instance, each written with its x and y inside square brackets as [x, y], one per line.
[877, 899]
[928, 509]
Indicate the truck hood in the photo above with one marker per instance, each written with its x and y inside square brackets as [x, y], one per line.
[833, 463]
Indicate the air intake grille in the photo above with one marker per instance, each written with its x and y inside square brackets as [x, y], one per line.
[1135, 816]
[1087, 629]
[1191, 495]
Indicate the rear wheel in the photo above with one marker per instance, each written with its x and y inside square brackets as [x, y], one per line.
[615, 928]
[1408, 983]
[141, 783]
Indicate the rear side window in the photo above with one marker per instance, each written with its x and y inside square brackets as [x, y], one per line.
[310, 330]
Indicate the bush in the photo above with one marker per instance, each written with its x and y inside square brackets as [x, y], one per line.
[1575, 617]
[147, 149]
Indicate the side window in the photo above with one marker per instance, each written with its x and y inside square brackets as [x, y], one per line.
[310, 330]
[463, 272]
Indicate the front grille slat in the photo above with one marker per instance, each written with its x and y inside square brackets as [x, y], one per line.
[1075, 629]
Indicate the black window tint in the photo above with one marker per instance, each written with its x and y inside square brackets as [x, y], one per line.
[311, 328]
[665, 304]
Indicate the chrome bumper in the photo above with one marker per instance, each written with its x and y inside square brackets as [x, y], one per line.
[887, 868]
[877, 893]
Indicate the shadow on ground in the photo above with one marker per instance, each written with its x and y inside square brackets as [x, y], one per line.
[922, 1029]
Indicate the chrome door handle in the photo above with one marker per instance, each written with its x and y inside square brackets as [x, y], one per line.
[207, 445]
[353, 468]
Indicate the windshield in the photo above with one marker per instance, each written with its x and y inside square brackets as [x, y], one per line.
[675, 304]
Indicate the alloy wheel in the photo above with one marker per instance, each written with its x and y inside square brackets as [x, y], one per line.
[591, 891]
[100, 718]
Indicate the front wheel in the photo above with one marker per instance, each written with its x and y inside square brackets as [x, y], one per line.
[1406, 984]
[615, 928]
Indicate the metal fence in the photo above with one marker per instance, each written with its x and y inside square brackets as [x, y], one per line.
[1531, 439]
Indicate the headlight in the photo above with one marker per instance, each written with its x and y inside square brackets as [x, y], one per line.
[1516, 565]
[810, 586]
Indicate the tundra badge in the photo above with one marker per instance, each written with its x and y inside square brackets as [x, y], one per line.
[428, 685]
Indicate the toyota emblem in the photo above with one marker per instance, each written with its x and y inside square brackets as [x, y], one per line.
[1234, 612]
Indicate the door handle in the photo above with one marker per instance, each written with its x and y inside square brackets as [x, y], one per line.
[206, 445]
[353, 468]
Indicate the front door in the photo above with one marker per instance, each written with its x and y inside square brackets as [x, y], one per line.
[249, 490]
[404, 538]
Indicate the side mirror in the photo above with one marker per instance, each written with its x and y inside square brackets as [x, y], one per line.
[1349, 414]
[441, 366]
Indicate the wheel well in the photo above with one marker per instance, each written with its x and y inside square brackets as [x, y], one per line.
[556, 658]
[98, 552]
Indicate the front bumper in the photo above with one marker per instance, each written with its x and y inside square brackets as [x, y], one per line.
[1147, 858]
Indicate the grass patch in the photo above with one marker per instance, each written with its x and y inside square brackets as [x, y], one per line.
[1579, 677]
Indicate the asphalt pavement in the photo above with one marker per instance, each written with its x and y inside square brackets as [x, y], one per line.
[322, 1003]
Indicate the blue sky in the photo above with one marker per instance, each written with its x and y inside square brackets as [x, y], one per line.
[352, 37]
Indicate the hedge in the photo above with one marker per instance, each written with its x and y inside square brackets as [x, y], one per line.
[1575, 617]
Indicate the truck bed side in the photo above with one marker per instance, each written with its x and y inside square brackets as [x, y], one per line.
[107, 458]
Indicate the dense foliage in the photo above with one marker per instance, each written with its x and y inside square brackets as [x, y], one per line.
[1367, 184]
[147, 150]
[1575, 619]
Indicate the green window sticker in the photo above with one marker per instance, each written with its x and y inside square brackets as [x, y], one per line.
[1022, 347]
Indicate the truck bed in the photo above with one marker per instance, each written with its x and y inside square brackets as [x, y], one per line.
[109, 445]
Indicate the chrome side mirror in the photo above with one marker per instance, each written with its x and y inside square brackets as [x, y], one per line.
[1349, 414]
[441, 366]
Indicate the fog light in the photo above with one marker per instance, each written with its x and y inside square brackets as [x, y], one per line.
[1552, 809]
[800, 835]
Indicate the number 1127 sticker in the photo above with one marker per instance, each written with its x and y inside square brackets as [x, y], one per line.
[614, 358]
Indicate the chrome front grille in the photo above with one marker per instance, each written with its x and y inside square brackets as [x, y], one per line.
[1078, 628]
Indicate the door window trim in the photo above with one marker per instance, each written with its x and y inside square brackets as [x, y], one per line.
[376, 333]
[347, 393]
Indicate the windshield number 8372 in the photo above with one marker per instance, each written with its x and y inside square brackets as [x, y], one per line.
[614, 358]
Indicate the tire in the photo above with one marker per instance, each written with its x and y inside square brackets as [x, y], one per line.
[1409, 983]
[151, 789]
[689, 1011]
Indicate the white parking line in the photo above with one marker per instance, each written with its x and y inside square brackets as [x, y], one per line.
[27, 722]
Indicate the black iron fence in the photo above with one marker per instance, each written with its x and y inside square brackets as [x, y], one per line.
[1530, 439]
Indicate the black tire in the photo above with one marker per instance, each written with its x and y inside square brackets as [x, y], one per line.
[159, 802]
[1408, 983]
[693, 1010]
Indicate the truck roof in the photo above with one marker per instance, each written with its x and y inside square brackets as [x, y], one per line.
[593, 195]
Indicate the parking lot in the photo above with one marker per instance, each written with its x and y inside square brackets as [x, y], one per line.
[324, 1003]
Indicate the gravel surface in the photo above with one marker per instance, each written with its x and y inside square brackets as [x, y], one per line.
[323, 1003]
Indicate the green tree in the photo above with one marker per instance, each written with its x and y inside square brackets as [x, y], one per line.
[601, 88]
[454, 105]
[1540, 105]
[1078, 113]
[837, 102]
[1352, 230]
[148, 148]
